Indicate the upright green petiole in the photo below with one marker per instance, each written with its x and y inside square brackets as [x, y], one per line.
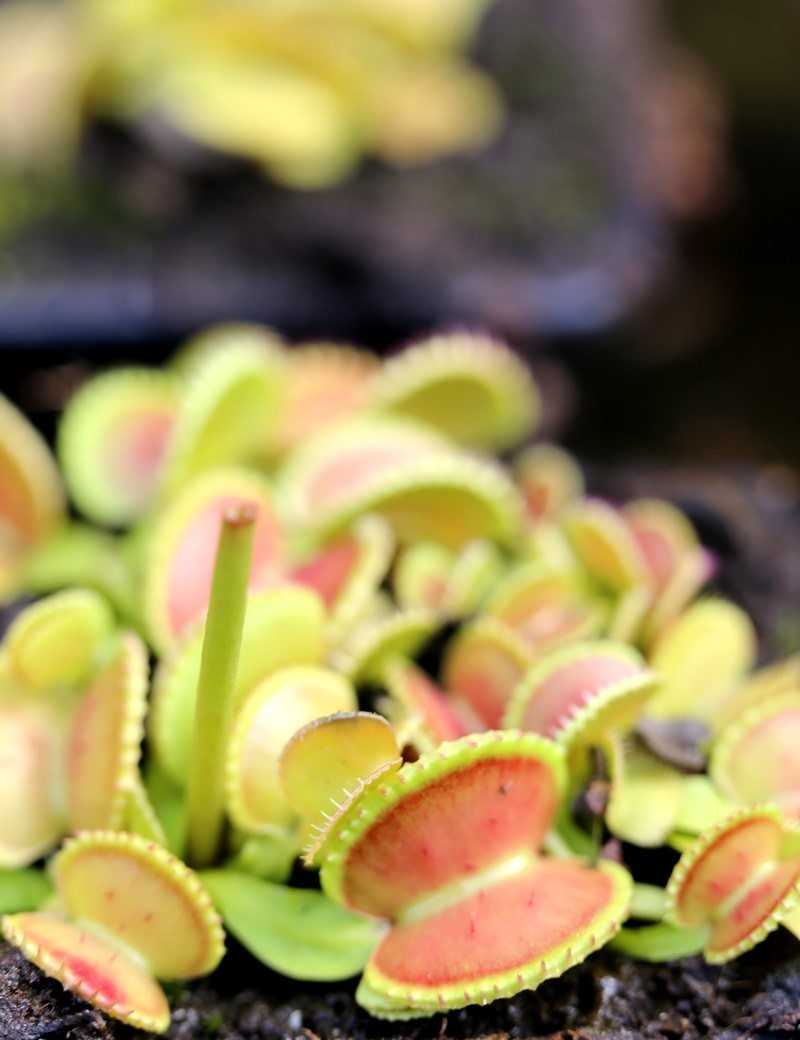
[220, 660]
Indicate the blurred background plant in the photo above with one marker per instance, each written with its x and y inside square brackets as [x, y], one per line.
[471, 160]
[302, 89]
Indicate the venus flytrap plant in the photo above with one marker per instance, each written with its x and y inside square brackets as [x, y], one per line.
[373, 643]
[544, 678]
[272, 714]
[347, 574]
[483, 665]
[644, 555]
[587, 697]
[655, 797]
[302, 772]
[231, 399]
[338, 753]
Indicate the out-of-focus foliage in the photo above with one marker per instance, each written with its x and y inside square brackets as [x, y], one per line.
[303, 88]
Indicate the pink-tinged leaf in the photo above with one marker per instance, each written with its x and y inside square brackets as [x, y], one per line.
[283, 626]
[326, 759]
[31, 745]
[182, 550]
[270, 716]
[348, 572]
[663, 535]
[338, 465]
[471, 387]
[90, 966]
[142, 897]
[701, 658]
[417, 481]
[327, 382]
[604, 544]
[426, 715]
[614, 709]
[55, 641]
[755, 759]
[105, 737]
[506, 936]
[483, 665]
[451, 499]
[738, 878]
[564, 682]
[454, 813]
[112, 441]
[548, 478]
[328, 571]
[32, 500]
[546, 605]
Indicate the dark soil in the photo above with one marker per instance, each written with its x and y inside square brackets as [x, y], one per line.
[606, 998]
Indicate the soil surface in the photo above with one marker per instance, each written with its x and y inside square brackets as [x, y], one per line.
[606, 998]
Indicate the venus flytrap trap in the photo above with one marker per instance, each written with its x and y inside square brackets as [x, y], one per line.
[732, 886]
[112, 442]
[314, 533]
[447, 849]
[755, 757]
[32, 499]
[128, 913]
[300, 932]
[481, 667]
[73, 697]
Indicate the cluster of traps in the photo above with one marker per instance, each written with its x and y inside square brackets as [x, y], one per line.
[449, 680]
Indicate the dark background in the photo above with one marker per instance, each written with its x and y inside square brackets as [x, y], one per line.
[698, 364]
[709, 368]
